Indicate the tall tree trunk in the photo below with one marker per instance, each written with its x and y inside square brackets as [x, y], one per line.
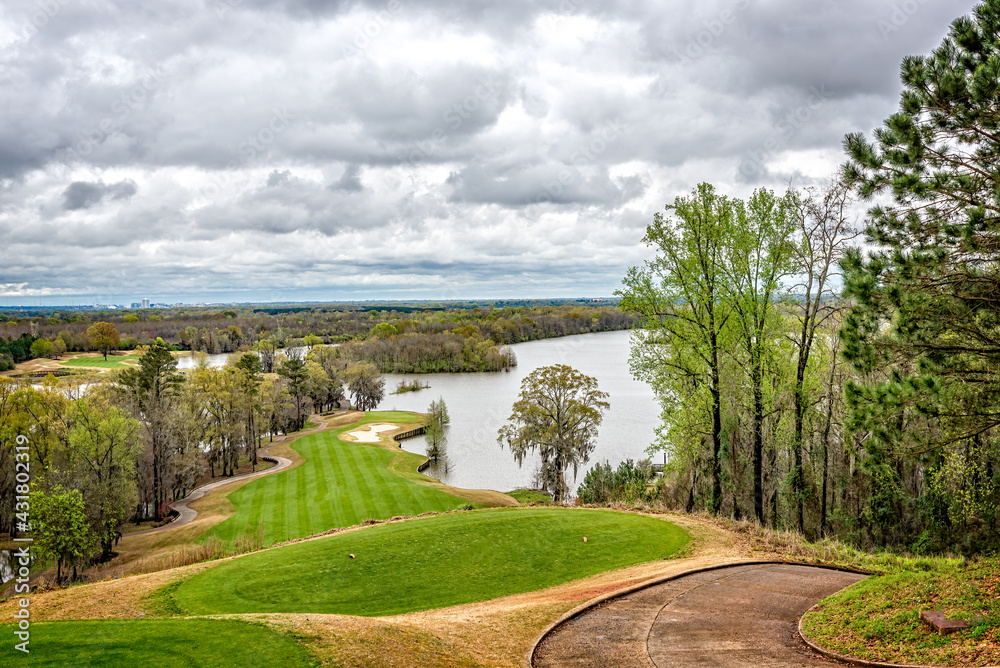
[758, 443]
[716, 502]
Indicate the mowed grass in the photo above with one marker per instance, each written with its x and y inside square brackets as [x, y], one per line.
[113, 362]
[339, 484]
[431, 562]
[192, 643]
[878, 619]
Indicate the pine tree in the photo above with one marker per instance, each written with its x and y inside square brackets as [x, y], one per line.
[927, 301]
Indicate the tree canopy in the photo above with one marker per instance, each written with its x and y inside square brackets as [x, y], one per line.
[104, 337]
[557, 413]
[927, 299]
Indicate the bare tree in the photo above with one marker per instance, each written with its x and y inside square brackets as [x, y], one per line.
[824, 237]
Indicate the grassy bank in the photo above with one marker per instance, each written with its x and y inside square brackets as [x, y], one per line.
[878, 618]
[431, 563]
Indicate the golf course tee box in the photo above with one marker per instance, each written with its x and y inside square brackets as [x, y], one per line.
[431, 562]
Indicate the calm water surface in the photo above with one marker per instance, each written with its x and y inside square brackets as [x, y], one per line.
[480, 403]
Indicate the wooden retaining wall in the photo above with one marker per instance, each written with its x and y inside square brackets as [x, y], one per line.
[402, 436]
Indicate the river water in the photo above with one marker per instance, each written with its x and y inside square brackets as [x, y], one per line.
[480, 403]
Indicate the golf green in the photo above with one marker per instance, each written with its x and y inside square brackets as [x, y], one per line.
[98, 362]
[431, 562]
[339, 484]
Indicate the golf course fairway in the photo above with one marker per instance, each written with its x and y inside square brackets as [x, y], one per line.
[340, 484]
[431, 562]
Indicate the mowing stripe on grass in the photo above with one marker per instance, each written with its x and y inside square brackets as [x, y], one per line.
[349, 482]
[431, 562]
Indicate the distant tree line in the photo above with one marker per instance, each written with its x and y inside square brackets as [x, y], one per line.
[221, 332]
[444, 339]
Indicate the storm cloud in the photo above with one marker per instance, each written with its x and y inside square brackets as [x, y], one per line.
[277, 150]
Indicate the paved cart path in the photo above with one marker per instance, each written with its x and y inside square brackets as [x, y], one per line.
[186, 514]
[739, 616]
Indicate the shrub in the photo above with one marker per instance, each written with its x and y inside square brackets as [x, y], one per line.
[626, 484]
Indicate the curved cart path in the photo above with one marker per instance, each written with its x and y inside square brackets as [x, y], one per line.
[186, 514]
[734, 617]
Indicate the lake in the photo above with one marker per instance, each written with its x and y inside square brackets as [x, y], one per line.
[480, 403]
[219, 360]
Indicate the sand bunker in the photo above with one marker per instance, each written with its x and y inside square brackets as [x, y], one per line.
[370, 435]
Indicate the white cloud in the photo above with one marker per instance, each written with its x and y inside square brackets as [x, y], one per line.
[305, 149]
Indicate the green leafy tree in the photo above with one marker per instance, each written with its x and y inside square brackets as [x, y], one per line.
[59, 522]
[439, 411]
[383, 330]
[104, 446]
[927, 299]
[757, 258]
[104, 337]
[680, 297]
[149, 391]
[41, 348]
[557, 413]
[295, 371]
[58, 348]
[435, 436]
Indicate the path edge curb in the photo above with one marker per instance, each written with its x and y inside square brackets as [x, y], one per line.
[529, 657]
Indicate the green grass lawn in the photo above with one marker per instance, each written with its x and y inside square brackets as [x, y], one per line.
[878, 619]
[113, 362]
[531, 497]
[339, 485]
[191, 643]
[431, 562]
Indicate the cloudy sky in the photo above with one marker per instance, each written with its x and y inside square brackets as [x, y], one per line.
[272, 151]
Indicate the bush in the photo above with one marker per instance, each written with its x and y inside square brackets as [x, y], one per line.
[626, 484]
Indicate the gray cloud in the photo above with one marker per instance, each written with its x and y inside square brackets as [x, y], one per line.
[499, 146]
[350, 180]
[83, 195]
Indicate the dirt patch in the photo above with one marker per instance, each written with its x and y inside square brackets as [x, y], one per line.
[123, 598]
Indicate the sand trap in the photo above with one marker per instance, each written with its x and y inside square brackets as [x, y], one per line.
[370, 435]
